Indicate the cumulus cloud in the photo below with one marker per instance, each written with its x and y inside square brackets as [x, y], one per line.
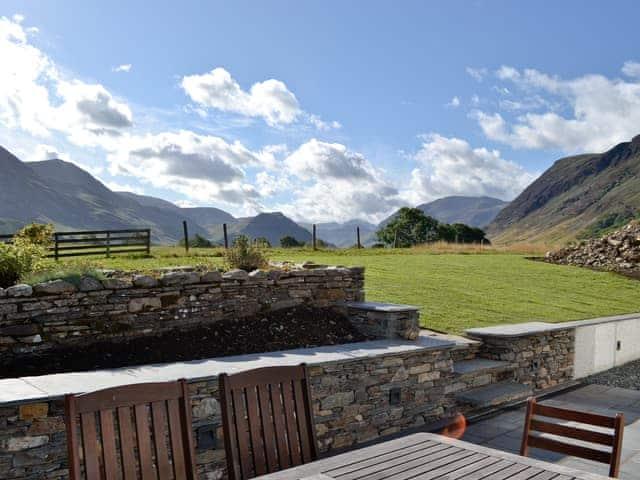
[454, 102]
[337, 185]
[631, 69]
[590, 113]
[477, 74]
[203, 168]
[125, 67]
[38, 99]
[450, 166]
[270, 100]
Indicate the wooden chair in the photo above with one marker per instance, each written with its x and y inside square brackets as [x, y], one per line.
[612, 440]
[267, 420]
[135, 431]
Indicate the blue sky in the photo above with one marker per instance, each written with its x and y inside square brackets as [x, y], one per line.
[324, 110]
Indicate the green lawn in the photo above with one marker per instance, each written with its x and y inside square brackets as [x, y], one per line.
[457, 291]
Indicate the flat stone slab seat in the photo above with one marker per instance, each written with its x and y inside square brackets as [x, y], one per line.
[55, 386]
[495, 394]
[381, 307]
[479, 366]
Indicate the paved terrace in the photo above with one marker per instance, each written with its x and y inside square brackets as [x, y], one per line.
[504, 431]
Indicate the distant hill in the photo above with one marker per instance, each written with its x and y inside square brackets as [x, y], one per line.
[579, 196]
[344, 234]
[472, 211]
[272, 226]
[59, 192]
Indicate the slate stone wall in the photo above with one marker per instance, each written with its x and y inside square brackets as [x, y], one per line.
[544, 359]
[56, 313]
[353, 402]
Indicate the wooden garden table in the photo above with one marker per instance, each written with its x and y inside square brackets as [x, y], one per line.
[424, 456]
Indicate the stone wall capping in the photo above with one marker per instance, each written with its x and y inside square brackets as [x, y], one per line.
[211, 276]
[538, 328]
[179, 278]
[116, 283]
[236, 274]
[90, 284]
[144, 281]
[2, 293]
[54, 287]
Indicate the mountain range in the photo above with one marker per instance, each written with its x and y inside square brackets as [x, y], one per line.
[580, 196]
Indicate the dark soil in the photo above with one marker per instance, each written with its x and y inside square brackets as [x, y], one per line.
[279, 330]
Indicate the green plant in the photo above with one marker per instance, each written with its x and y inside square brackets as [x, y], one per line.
[290, 242]
[72, 274]
[197, 241]
[36, 233]
[245, 255]
[262, 241]
[18, 259]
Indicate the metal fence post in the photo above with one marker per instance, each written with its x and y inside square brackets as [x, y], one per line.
[358, 237]
[186, 236]
[226, 239]
[313, 237]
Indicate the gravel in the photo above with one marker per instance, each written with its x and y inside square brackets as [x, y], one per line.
[625, 376]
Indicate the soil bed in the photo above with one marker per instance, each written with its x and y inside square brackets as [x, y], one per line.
[298, 327]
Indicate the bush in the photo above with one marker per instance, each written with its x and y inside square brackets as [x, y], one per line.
[17, 260]
[72, 274]
[245, 255]
[36, 233]
[197, 242]
[262, 242]
[290, 242]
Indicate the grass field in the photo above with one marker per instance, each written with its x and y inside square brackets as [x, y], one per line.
[456, 290]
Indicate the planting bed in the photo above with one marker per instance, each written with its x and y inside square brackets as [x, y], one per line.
[297, 327]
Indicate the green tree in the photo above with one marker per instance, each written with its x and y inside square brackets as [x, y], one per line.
[409, 227]
[290, 242]
[197, 242]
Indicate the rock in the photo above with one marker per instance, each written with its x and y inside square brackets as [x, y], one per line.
[144, 304]
[339, 399]
[31, 339]
[20, 290]
[207, 407]
[211, 277]
[15, 444]
[115, 284]
[236, 274]
[54, 287]
[144, 281]
[90, 284]
[2, 292]
[20, 330]
[179, 278]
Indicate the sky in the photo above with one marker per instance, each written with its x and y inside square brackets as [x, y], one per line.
[326, 111]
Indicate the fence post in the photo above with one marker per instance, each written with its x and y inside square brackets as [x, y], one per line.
[395, 239]
[148, 241]
[108, 244]
[186, 236]
[358, 237]
[55, 239]
[226, 239]
[313, 237]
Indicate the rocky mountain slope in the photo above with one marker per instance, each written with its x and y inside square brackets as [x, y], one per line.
[272, 226]
[618, 251]
[579, 196]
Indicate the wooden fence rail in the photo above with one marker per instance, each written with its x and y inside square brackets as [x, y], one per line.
[96, 242]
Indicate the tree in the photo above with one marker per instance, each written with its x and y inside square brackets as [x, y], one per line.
[409, 227]
[290, 242]
[197, 242]
[262, 242]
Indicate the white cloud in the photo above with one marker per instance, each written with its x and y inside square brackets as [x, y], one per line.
[338, 185]
[590, 113]
[125, 67]
[631, 69]
[203, 168]
[450, 166]
[36, 98]
[454, 102]
[477, 74]
[270, 100]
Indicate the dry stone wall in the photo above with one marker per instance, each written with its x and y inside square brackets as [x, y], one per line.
[56, 313]
[353, 402]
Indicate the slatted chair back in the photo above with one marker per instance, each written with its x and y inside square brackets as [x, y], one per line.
[267, 420]
[140, 431]
[610, 439]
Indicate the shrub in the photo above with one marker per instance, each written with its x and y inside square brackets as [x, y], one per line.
[262, 242]
[72, 274]
[245, 255]
[18, 259]
[197, 242]
[36, 233]
[290, 242]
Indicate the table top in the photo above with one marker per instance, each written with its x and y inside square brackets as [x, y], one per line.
[428, 456]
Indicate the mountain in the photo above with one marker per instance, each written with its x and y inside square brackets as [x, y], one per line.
[579, 196]
[472, 211]
[344, 234]
[59, 192]
[272, 226]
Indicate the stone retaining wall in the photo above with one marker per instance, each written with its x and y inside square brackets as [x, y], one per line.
[353, 401]
[57, 313]
[544, 359]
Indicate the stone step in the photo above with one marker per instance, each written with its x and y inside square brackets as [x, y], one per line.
[480, 366]
[495, 394]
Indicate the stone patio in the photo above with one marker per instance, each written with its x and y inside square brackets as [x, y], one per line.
[504, 431]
